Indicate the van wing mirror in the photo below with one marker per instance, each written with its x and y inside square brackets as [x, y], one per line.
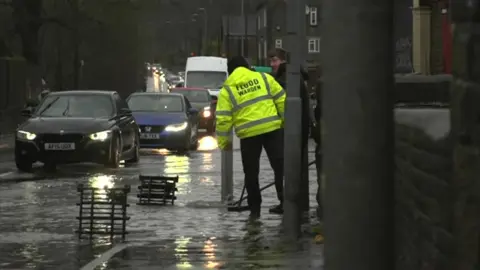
[27, 112]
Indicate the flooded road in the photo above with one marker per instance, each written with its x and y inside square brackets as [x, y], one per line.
[38, 221]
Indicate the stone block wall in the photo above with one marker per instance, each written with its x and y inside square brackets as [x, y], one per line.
[13, 93]
[436, 174]
[423, 162]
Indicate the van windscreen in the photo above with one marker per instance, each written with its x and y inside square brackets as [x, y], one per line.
[205, 79]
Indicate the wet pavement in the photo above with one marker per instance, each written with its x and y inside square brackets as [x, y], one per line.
[38, 221]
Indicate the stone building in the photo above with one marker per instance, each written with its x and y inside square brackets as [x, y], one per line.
[271, 30]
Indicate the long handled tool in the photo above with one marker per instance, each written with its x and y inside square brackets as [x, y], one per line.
[238, 207]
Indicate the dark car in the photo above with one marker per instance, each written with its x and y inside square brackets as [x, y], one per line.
[202, 101]
[77, 126]
[166, 121]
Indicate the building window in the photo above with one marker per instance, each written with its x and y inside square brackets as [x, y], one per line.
[264, 49]
[259, 22]
[314, 45]
[265, 17]
[259, 51]
[278, 43]
[313, 13]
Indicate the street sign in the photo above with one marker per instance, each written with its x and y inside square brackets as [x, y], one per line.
[263, 69]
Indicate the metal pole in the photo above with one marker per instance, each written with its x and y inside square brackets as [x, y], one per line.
[305, 180]
[293, 127]
[357, 52]
[242, 15]
[245, 32]
[227, 174]
[205, 33]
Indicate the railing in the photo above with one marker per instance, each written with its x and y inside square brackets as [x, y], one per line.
[157, 190]
[102, 211]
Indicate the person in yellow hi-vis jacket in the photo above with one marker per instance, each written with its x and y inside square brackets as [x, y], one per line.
[253, 104]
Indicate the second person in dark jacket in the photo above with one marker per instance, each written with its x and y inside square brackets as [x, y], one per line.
[279, 67]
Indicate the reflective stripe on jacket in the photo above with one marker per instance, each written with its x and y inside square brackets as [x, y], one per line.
[251, 102]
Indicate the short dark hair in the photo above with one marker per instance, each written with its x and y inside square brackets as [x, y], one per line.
[235, 62]
[280, 53]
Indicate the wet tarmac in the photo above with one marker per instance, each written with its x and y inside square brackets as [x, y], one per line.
[38, 221]
[38, 218]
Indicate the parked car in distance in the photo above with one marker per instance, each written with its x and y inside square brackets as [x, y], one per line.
[77, 126]
[166, 120]
[206, 104]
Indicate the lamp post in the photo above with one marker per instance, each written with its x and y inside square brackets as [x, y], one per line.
[205, 30]
[357, 104]
[293, 127]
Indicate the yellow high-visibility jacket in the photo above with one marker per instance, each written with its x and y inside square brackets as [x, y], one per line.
[251, 102]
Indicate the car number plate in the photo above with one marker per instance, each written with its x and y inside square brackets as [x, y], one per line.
[59, 146]
[149, 136]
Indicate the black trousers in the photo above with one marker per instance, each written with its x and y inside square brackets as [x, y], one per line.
[251, 149]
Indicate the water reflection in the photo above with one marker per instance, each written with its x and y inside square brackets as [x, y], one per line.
[103, 209]
[209, 250]
[207, 162]
[178, 165]
[181, 253]
[102, 182]
[205, 180]
[207, 143]
[32, 254]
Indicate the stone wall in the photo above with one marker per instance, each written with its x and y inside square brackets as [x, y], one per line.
[436, 190]
[14, 91]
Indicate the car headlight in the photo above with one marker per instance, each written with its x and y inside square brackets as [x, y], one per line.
[100, 136]
[177, 127]
[206, 112]
[25, 135]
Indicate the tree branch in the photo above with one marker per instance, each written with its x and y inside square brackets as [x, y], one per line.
[6, 3]
[57, 21]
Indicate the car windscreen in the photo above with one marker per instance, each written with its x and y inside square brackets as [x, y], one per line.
[199, 96]
[205, 79]
[90, 106]
[155, 103]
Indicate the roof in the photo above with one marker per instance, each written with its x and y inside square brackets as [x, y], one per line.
[190, 88]
[82, 92]
[156, 94]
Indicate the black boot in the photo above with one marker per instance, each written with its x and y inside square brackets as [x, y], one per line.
[254, 213]
[278, 209]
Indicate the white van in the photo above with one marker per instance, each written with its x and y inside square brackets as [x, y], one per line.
[207, 72]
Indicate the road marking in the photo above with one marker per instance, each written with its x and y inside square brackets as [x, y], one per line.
[107, 255]
[5, 174]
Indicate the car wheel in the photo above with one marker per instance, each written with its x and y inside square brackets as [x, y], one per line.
[115, 153]
[211, 129]
[194, 144]
[136, 154]
[50, 167]
[186, 145]
[23, 165]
